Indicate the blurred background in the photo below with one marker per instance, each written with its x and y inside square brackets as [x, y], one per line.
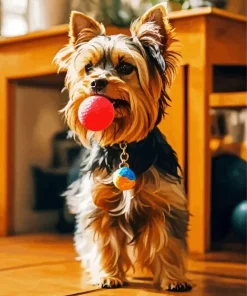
[23, 16]
[207, 122]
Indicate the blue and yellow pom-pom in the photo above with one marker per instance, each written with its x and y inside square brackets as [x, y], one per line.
[124, 178]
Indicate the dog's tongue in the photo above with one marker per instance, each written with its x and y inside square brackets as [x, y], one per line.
[96, 113]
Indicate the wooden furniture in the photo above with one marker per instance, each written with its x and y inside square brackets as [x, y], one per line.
[209, 36]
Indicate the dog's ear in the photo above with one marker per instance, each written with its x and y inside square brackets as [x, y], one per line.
[83, 28]
[153, 27]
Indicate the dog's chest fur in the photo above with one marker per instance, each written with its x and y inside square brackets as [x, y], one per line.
[156, 212]
[159, 197]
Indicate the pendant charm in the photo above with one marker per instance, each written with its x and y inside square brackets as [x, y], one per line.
[124, 178]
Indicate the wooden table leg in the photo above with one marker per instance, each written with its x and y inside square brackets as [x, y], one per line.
[6, 156]
[199, 159]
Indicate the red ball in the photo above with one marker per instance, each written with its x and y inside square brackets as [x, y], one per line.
[96, 113]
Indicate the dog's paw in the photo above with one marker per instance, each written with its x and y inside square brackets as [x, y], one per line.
[179, 287]
[111, 283]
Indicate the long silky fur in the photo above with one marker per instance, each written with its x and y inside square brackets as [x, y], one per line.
[153, 93]
[149, 223]
[152, 219]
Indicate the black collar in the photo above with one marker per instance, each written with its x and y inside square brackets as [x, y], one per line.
[152, 151]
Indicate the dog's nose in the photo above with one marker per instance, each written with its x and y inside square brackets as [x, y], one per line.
[98, 84]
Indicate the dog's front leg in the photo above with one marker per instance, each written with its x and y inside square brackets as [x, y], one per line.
[169, 267]
[110, 241]
[105, 257]
[163, 254]
[114, 260]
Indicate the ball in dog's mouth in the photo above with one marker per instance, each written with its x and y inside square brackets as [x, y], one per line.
[96, 113]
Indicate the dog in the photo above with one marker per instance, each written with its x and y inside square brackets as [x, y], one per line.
[148, 224]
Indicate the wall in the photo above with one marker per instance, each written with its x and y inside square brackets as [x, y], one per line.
[36, 121]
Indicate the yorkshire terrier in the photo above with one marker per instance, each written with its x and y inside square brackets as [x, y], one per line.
[148, 224]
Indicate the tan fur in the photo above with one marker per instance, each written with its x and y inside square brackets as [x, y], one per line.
[109, 219]
[142, 93]
[110, 233]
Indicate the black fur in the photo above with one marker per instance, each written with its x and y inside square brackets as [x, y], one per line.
[178, 224]
[180, 288]
[152, 151]
[154, 53]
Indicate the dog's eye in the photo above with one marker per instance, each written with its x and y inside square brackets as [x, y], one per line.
[88, 68]
[125, 68]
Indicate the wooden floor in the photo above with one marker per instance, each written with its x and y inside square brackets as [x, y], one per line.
[35, 265]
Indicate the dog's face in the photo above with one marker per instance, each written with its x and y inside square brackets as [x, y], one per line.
[132, 72]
